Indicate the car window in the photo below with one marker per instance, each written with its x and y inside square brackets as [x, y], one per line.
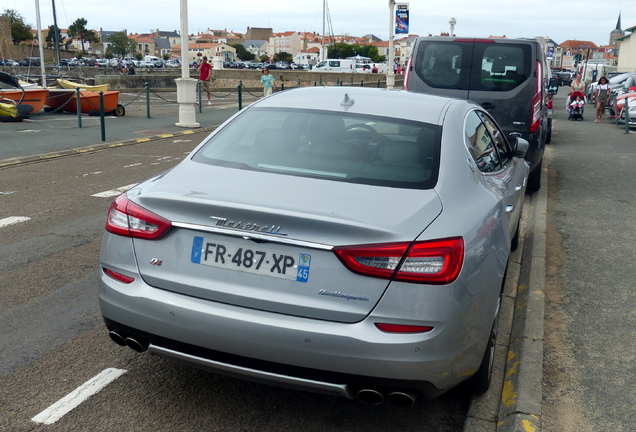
[440, 64]
[503, 66]
[473, 66]
[480, 144]
[499, 139]
[339, 147]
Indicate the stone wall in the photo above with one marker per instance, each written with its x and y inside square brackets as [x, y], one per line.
[223, 79]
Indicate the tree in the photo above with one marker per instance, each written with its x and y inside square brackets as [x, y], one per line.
[121, 44]
[19, 30]
[283, 56]
[242, 53]
[370, 51]
[341, 50]
[263, 58]
[50, 37]
[78, 30]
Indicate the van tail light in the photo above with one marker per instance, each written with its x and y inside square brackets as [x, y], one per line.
[436, 262]
[537, 101]
[128, 219]
[401, 328]
[409, 65]
[550, 104]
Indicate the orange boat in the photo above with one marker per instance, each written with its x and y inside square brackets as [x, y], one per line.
[33, 101]
[89, 101]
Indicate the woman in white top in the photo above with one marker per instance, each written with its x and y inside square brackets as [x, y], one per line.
[578, 84]
[601, 96]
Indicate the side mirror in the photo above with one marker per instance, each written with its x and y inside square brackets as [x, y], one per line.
[553, 86]
[519, 147]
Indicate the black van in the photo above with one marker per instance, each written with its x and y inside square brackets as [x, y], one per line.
[508, 77]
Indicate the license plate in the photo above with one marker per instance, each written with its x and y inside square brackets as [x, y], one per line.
[258, 260]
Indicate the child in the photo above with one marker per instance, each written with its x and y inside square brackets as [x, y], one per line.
[576, 104]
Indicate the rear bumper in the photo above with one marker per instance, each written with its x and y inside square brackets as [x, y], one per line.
[305, 354]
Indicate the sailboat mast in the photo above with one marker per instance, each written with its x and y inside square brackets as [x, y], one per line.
[57, 36]
[322, 44]
[40, 43]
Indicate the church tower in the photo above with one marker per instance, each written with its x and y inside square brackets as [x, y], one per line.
[616, 33]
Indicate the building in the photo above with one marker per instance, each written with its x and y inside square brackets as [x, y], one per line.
[256, 47]
[627, 51]
[207, 49]
[289, 42]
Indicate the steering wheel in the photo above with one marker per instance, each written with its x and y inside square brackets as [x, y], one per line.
[375, 137]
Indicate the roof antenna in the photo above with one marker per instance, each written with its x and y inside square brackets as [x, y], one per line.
[347, 102]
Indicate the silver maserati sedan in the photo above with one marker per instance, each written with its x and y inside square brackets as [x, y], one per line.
[340, 240]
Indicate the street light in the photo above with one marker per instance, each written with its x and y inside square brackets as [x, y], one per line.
[452, 23]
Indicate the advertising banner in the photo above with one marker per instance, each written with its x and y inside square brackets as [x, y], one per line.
[402, 18]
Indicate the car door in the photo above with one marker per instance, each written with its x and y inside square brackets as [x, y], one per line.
[504, 175]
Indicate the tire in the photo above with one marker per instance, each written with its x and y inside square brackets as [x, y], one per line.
[120, 111]
[93, 113]
[482, 378]
[548, 137]
[534, 179]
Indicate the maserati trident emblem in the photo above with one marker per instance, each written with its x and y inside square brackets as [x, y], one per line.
[239, 225]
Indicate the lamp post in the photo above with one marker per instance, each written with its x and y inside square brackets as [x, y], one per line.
[452, 23]
[186, 86]
[390, 77]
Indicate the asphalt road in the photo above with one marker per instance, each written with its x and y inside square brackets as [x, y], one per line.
[52, 340]
[590, 323]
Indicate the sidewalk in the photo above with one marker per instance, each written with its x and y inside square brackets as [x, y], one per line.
[58, 134]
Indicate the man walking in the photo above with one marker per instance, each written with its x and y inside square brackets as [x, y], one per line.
[205, 71]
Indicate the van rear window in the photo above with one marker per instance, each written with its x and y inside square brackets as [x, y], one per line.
[473, 66]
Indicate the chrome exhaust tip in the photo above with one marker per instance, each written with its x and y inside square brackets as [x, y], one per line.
[139, 346]
[402, 398]
[370, 396]
[117, 338]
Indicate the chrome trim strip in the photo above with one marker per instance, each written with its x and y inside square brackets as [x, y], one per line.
[247, 235]
[254, 374]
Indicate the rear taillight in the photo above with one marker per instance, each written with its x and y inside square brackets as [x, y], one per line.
[550, 104]
[537, 101]
[128, 219]
[430, 262]
[407, 74]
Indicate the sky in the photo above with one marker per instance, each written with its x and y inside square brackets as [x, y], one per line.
[587, 20]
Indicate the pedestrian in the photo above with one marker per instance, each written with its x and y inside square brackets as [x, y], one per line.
[205, 72]
[267, 82]
[601, 96]
[578, 84]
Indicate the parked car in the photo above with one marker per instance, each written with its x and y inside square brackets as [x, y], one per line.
[365, 259]
[565, 78]
[363, 68]
[172, 64]
[508, 77]
[103, 62]
[10, 62]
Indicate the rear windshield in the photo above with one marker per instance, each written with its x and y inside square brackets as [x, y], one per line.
[473, 66]
[339, 147]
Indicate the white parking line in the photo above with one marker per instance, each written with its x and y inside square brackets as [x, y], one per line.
[13, 220]
[77, 396]
[114, 192]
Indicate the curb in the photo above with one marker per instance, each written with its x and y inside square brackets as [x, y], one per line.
[513, 403]
[8, 163]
